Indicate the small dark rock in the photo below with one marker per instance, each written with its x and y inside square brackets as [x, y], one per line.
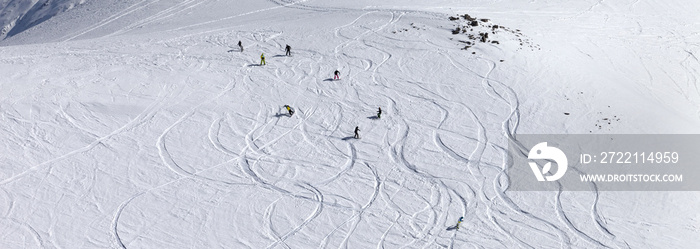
[474, 23]
[484, 36]
[484, 20]
[468, 18]
[452, 18]
[566, 113]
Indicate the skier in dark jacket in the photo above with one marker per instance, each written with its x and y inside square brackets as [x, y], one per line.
[357, 129]
[240, 45]
[379, 113]
[288, 50]
[336, 75]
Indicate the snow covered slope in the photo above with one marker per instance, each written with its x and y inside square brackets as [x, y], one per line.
[144, 126]
[17, 16]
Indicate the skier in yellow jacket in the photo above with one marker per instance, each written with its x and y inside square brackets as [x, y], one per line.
[289, 110]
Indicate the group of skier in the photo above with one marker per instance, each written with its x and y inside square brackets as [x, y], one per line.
[287, 52]
[336, 76]
[290, 110]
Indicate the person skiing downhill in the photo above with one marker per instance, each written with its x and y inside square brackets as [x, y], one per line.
[240, 45]
[357, 129]
[456, 227]
[290, 110]
[288, 50]
[379, 113]
[458, 222]
[336, 75]
[262, 59]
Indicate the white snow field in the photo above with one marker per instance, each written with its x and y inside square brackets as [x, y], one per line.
[140, 124]
[19, 15]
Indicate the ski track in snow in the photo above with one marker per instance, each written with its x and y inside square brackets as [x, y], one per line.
[164, 14]
[319, 198]
[34, 234]
[108, 20]
[142, 117]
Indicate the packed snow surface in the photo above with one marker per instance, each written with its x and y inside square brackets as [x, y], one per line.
[141, 124]
[17, 16]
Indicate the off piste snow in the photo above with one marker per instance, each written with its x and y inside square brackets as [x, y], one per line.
[326, 124]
